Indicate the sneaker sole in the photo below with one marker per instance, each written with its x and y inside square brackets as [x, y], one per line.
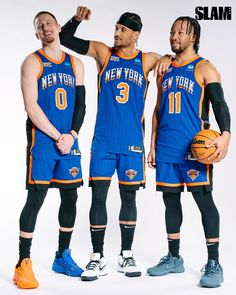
[177, 270]
[87, 279]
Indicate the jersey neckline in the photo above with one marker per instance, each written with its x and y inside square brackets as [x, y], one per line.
[126, 57]
[185, 63]
[51, 59]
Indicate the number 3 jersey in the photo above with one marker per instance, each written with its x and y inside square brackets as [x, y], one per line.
[56, 97]
[183, 111]
[122, 86]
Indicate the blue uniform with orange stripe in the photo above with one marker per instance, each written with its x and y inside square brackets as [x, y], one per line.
[183, 113]
[122, 86]
[56, 98]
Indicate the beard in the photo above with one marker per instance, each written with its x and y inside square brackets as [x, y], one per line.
[48, 40]
[177, 50]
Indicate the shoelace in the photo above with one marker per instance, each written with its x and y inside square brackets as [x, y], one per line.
[92, 265]
[129, 262]
[164, 260]
[209, 268]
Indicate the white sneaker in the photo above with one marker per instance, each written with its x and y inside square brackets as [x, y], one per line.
[127, 264]
[95, 268]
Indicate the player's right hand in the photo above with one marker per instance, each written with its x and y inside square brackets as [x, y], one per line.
[151, 159]
[82, 13]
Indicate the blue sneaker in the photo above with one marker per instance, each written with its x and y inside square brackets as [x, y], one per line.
[66, 265]
[212, 275]
[167, 264]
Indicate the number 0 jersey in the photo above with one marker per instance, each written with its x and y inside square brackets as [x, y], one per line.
[56, 97]
[122, 86]
[183, 111]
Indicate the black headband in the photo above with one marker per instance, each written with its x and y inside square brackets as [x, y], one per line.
[129, 23]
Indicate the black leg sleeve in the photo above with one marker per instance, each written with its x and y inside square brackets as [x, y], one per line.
[173, 212]
[67, 210]
[31, 209]
[209, 212]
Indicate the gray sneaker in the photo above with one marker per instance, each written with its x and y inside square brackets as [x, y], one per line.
[167, 264]
[212, 275]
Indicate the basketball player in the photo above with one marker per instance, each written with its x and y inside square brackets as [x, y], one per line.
[53, 90]
[118, 137]
[184, 94]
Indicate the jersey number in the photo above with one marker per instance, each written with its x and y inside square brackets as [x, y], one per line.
[61, 99]
[124, 92]
[174, 103]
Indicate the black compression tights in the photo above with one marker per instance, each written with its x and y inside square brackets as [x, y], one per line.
[209, 213]
[35, 199]
[98, 211]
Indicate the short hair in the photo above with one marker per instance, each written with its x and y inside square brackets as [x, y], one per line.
[44, 12]
[192, 24]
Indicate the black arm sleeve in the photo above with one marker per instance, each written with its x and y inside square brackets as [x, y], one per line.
[214, 93]
[68, 40]
[79, 110]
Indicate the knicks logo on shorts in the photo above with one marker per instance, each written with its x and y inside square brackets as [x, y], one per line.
[74, 171]
[131, 173]
[193, 174]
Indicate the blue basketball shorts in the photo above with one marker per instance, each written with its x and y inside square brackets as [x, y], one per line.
[62, 173]
[172, 177]
[130, 169]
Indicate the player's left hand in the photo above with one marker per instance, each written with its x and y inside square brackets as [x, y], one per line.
[221, 143]
[64, 143]
[162, 65]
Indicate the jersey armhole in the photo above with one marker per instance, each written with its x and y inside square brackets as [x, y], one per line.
[196, 73]
[144, 68]
[73, 64]
[106, 61]
[41, 65]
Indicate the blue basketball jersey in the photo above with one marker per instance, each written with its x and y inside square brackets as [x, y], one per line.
[183, 112]
[56, 97]
[122, 86]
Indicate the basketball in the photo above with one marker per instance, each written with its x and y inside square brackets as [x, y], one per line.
[199, 143]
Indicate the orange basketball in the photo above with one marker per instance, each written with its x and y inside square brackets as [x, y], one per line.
[200, 141]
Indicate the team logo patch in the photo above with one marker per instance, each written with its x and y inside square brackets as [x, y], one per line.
[114, 58]
[193, 174]
[169, 70]
[131, 173]
[74, 171]
[190, 68]
[67, 64]
[137, 60]
[47, 64]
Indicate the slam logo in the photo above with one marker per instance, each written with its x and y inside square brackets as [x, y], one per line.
[213, 13]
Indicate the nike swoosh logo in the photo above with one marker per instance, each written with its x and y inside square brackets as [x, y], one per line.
[98, 229]
[210, 244]
[126, 226]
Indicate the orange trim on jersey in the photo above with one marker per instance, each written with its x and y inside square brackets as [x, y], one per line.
[169, 184]
[63, 54]
[66, 181]
[197, 183]
[196, 75]
[144, 168]
[41, 65]
[100, 178]
[104, 67]
[30, 181]
[143, 64]
[184, 63]
[73, 64]
[127, 57]
[131, 183]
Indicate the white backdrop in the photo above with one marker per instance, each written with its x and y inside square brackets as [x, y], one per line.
[17, 41]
